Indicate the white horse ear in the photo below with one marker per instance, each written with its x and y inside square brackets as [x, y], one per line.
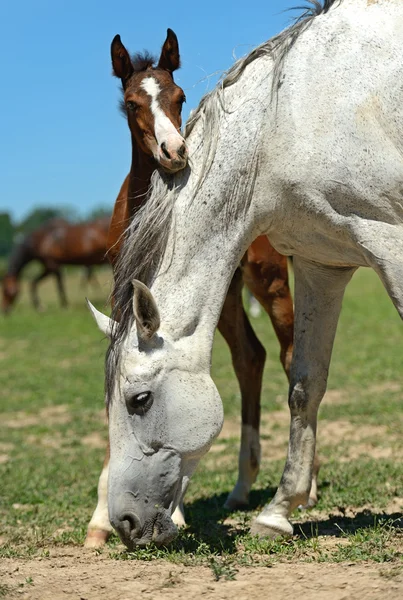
[105, 324]
[145, 311]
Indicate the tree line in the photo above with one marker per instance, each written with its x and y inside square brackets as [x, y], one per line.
[11, 233]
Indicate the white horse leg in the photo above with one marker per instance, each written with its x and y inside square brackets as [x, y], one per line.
[382, 244]
[318, 296]
[99, 528]
[313, 494]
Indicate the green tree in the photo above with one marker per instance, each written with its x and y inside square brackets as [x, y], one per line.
[6, 234]
[40, 215]
[36, 218]
[99, 213]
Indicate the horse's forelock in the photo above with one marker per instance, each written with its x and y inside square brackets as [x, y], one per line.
[142, 61]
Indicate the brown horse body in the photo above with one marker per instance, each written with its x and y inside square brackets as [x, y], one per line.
[54, 244]
[262, 269]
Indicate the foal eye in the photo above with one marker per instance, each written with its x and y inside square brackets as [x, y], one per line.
[139, 404]
[130, 105]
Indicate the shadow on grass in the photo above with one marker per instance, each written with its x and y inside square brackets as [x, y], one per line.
[338, 526]
[205, 524]
[205, 518]
[207, 534]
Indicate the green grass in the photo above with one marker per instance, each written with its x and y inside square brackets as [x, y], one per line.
[51, 398]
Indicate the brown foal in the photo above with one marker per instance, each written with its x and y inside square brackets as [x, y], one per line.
[262, 269]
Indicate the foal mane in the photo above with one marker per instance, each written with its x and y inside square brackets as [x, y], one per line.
[146, 237]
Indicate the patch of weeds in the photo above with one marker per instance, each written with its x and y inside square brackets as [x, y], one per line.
[171, 581]
[371, 543]
[223, 567]
[147, 554]
[5, 590]
[266, 551]
[310, 543]
[187, 549]
[10, 551]
[392, 572]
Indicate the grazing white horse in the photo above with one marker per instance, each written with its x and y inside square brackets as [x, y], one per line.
[302, 141]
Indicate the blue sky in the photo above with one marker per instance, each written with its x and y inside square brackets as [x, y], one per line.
[62, 139]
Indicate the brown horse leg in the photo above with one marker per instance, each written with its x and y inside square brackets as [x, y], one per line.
[89, 277]
[248, 358]
[99, 528]
[34, 287]
[266, 275]
[60, 287]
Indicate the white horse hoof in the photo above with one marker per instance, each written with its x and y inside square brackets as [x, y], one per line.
[96, 538]
[272, 526]
[178, 517]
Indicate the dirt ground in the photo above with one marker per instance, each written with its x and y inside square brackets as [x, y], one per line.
[82, 575]
[79, 574]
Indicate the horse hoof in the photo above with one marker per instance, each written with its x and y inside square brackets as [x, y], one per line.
[238, 499]
[96, 538]
[272, 527]
[178, 518]
[310, 504]
[233, 503]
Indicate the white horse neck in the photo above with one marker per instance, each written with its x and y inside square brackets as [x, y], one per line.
[214, 216]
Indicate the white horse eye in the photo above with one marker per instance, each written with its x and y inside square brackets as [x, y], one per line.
[139, 404]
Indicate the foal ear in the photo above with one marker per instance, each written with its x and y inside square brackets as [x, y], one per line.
[170, 59]
[145, 311]
[121, 63]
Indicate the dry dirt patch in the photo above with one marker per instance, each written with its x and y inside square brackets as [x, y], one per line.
[357, 440]
[94, 440]
[76, 574]
[51, 415]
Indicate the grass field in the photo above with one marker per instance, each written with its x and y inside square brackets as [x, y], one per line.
[52, 436]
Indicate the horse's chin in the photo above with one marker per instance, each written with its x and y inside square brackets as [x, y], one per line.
[171, 168]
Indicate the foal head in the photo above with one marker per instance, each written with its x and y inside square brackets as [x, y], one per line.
[153, 102]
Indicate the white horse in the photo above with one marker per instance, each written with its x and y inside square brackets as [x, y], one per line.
[302, 141]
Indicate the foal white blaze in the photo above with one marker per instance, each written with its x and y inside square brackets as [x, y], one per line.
[169, 140]
[320, 171]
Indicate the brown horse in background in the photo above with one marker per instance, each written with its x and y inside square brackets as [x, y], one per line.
[54, 244]
[262, 269]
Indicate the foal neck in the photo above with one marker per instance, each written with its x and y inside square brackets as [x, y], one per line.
[142, 168]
